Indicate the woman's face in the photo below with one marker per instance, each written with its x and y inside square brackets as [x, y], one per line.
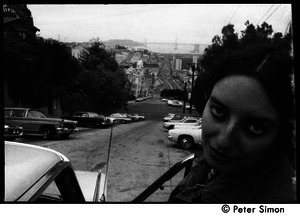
[238, 124]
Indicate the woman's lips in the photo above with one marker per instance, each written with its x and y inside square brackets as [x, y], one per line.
[220, 155]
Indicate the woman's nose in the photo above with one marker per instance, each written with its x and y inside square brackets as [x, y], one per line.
[227, 136]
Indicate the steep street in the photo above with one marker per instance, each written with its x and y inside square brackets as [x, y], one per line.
[140, 152]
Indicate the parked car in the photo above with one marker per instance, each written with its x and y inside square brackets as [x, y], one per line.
[133, 118]
[137, 116]
[164, 99]
[175, 103]
[35, 122]
[168, 117]
[196, 124]
[188, 107]
[119, 118]
[186, 137]
[169, 102]
[41, 175]
[12, 132]
[186, 121]
[177, 117]
[140, 99]
[89, 119]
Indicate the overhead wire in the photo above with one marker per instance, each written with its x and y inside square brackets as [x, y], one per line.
[254, 10]
[233, 13]
[205, 30]
[227, 16]
[240, 14]
[272, 13]
[264, 14]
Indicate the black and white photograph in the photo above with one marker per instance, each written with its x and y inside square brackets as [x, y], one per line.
[150, 103]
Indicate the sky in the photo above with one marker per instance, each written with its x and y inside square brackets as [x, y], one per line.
[184, 23]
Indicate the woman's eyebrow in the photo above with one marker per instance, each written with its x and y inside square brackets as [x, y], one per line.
[217, 101]
[252, 115]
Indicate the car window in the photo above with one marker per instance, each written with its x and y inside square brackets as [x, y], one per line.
[7, 113]
[36, 114]
[190, 121]
[18, 113]
[51, 194]
[177, 117]
[93, 115]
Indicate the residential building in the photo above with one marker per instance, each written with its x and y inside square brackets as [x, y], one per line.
[19, 27]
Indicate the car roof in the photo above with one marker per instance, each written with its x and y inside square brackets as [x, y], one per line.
[17, 108]
[24, 109]
[25, 165]
[84, 112]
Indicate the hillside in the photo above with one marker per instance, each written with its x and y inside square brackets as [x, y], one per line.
[123, 42]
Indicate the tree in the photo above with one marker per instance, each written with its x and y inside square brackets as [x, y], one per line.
[249, 35]
[37, 68]
[229, 38]
[103, 78]
[228, 43]
[264, 32]
[213, 53]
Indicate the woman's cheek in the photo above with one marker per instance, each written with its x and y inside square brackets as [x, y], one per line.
[254, 148]
[207, 125]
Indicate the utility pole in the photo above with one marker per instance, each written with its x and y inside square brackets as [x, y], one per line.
[184, 98]
[192, 88]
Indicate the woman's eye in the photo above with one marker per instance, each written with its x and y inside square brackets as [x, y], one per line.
[256, 129]
[216, 111]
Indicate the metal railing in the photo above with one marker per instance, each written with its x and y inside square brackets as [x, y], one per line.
[158, 184]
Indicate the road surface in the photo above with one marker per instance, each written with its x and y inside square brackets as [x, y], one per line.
[140, 152]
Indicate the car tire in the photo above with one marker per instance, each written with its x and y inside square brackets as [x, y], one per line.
[122, 121]
[47, 132]
[186, 142]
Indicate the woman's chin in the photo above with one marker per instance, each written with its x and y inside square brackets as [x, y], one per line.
[216, 163]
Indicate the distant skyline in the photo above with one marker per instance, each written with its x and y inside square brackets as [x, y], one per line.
[186, 23]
